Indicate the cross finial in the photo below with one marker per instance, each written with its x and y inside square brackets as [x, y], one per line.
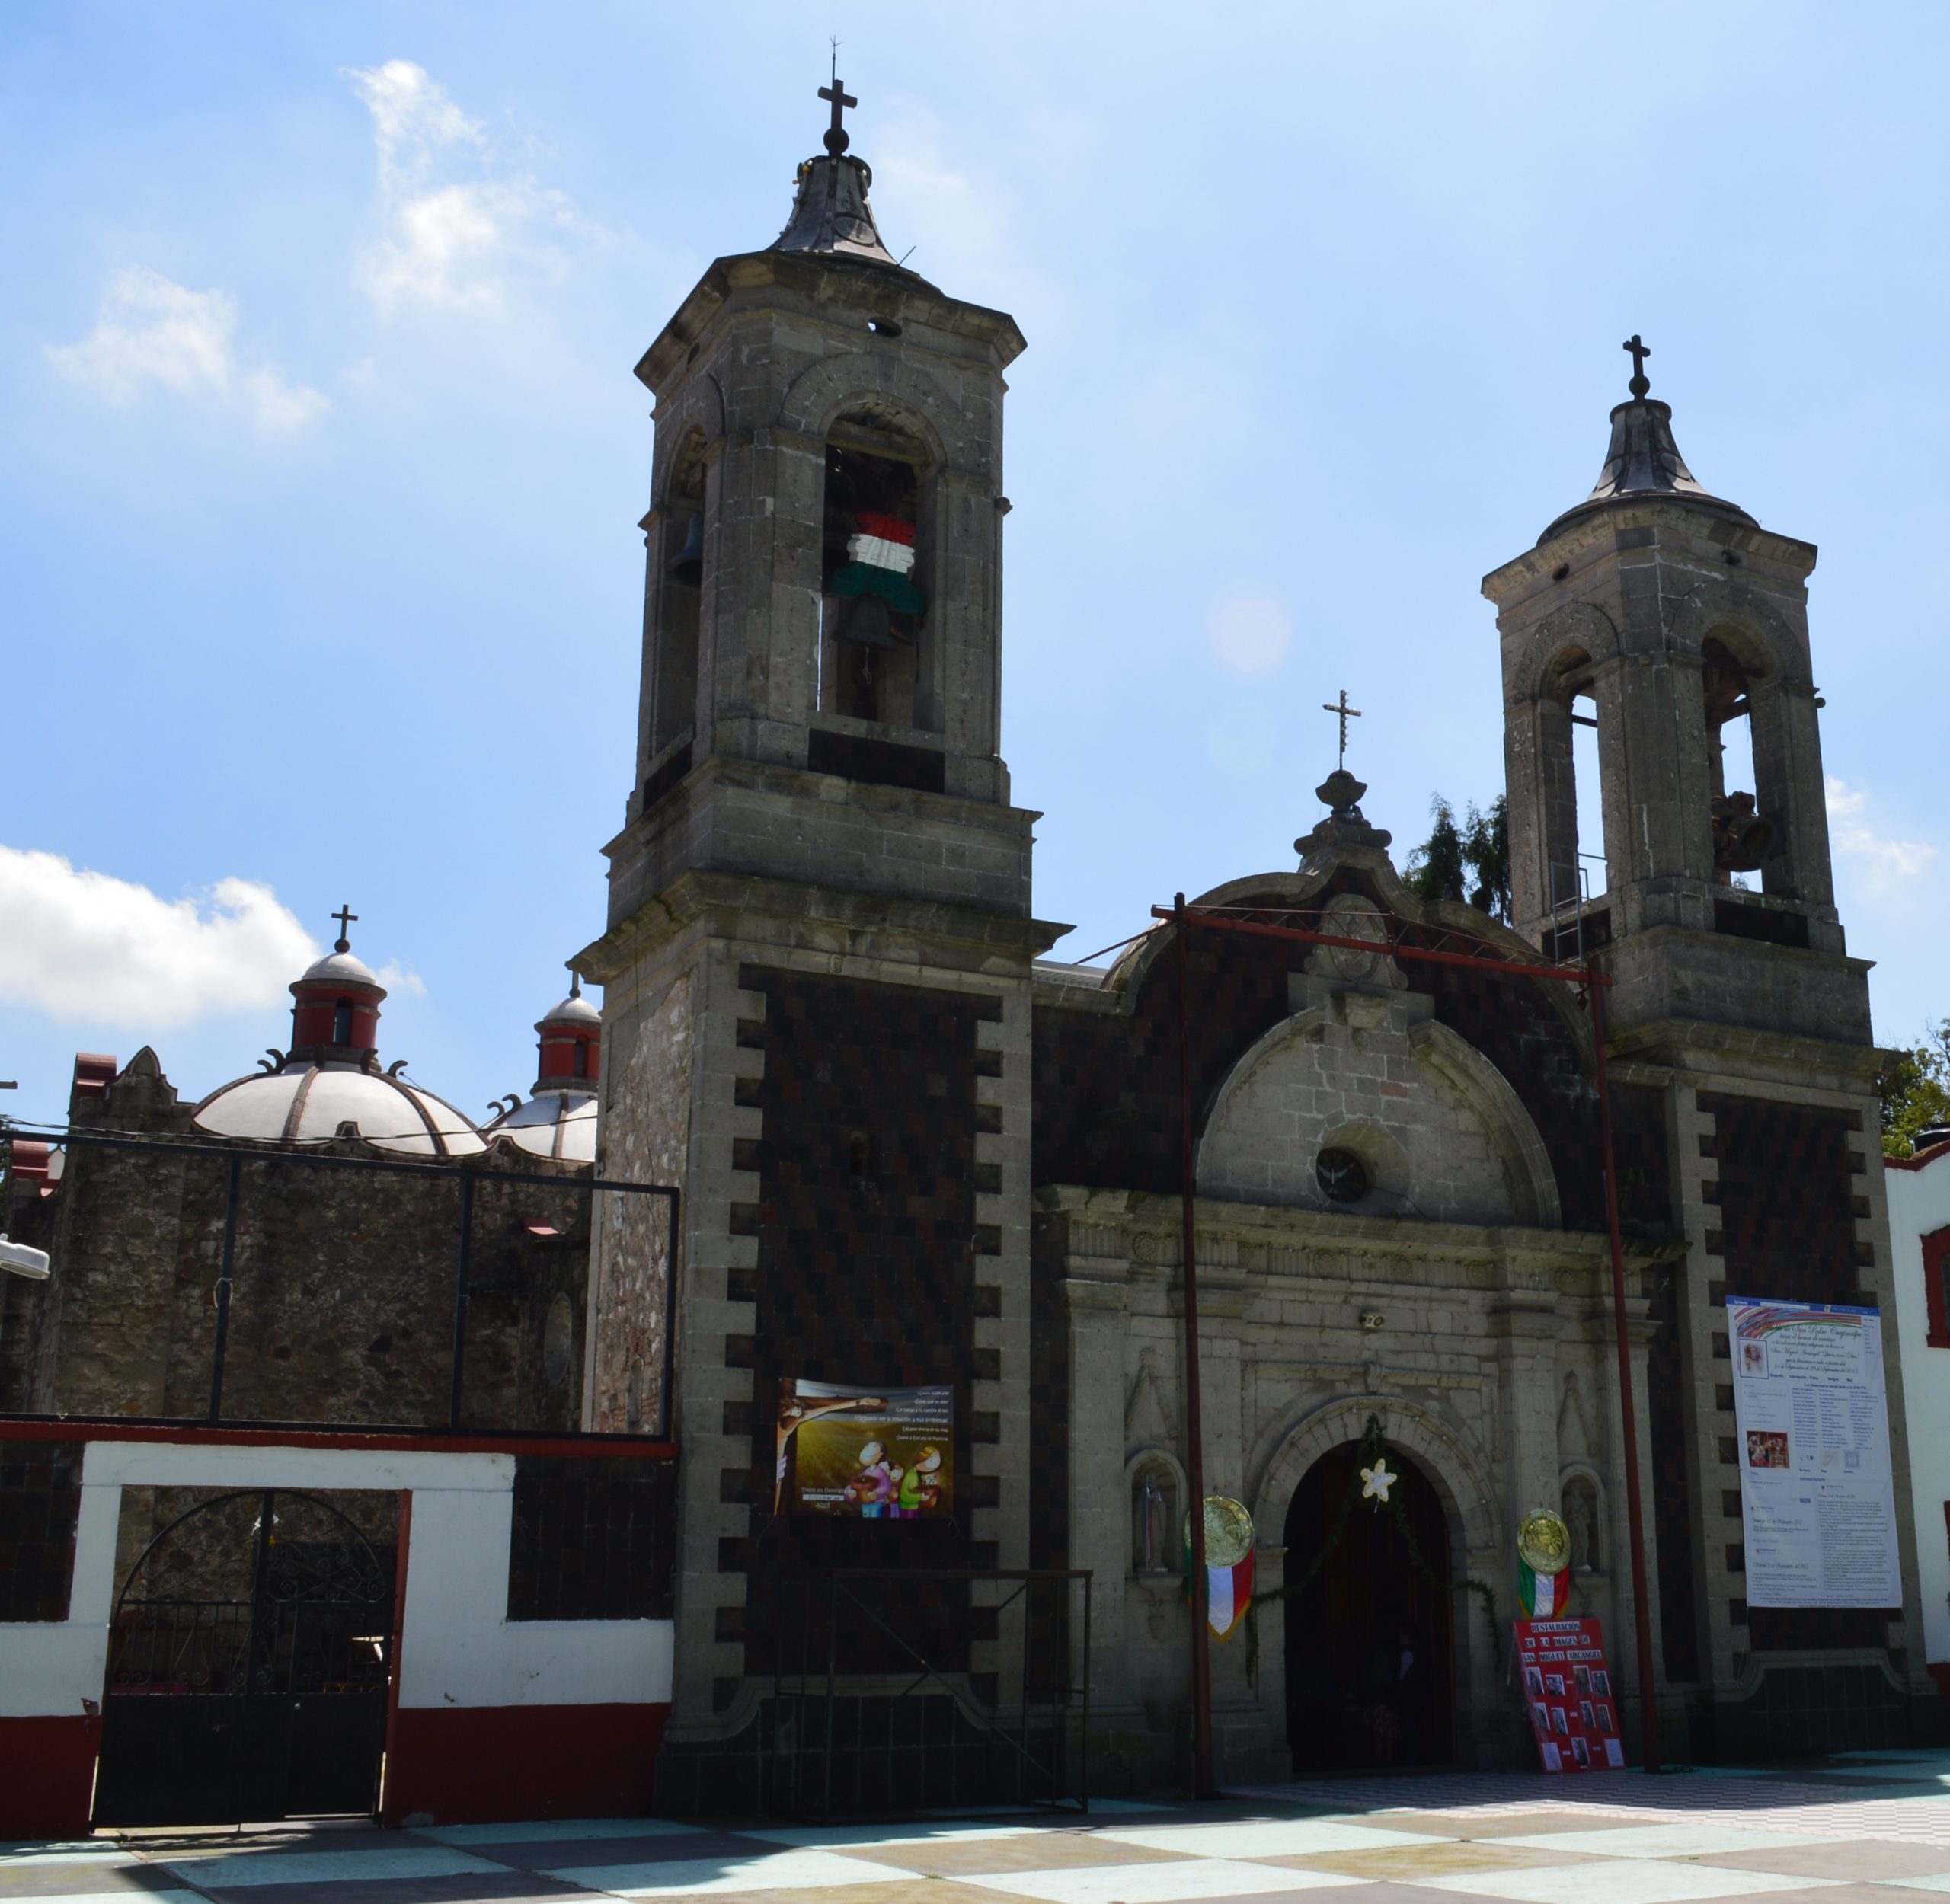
[1640, 383]
[1347, 713]
[837, 138]
[345, 916]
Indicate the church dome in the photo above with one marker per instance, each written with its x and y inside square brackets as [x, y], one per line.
[329, 1084]
[306, 1102]
[559, 1119]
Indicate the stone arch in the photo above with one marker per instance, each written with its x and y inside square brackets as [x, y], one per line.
[1487, 1100]
[699, 411]
[1577, 624]
[823, 391]
[1755, 631]
[1460, 1473]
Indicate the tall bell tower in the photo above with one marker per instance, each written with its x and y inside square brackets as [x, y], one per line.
[1670, 621]
[817, 961]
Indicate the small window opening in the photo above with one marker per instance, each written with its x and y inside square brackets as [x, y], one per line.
[884, 327]
[342, 1022]
[581, 1066]
[1742, 835]
[677, 596]
[872, 606]
[1154, 1499]
[1585, 878]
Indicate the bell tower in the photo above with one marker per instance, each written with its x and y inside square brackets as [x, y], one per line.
[1671, 625]
[823, 588]
[817, 964]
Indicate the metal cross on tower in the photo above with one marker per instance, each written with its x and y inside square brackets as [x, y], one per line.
[345, 916]
[1640, 383]
[836, 138]
[1347, 713]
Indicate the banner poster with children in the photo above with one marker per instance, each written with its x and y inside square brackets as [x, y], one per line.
[1568, 1690]
[1817, 1497]
[868, 1454]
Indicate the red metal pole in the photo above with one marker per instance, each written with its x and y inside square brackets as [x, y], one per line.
[1201, 1645]
[1647, 1675]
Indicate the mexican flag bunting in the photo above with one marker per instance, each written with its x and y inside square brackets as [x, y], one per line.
[880, 560]
[1228, 1593]
[1543, 1594]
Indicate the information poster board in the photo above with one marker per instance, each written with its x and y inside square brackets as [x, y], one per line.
[867, 1454]
[1816, 1498]
[1568, 1692]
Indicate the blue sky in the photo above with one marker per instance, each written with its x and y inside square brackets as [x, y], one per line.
[323, 457]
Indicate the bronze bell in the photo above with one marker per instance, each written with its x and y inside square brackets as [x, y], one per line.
[1740, 836]
[687, 565]
[866, 620]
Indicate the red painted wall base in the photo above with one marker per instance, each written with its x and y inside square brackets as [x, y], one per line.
[479, 1764]
[1939, 1671]
[48, 1780]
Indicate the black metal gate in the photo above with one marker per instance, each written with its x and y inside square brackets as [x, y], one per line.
[863, 1721]
[247, 1667]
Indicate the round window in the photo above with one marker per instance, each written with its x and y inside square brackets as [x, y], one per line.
[558, 1330]
[1341, 1175]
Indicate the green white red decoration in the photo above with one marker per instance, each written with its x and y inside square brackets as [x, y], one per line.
[1543, 1562]
[1228, 1542]
[880, 560]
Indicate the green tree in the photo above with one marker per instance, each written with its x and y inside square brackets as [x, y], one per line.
[1434, 869]
[1915, 1088]
[1438, 868]
[1486, 846]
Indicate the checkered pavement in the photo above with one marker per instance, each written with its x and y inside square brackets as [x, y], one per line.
[1876, 1827]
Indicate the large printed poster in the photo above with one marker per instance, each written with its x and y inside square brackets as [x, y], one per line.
[1816, 1494]
[873, 1454]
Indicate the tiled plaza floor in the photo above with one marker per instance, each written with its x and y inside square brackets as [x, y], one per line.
[1861, 1829]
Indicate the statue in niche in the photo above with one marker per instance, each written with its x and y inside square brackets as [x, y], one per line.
[1151, 1514]
[1580, 1516]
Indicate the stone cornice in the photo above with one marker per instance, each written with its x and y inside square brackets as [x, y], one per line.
[831, 920]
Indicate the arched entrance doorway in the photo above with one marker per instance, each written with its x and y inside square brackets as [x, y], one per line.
[1370, 1644]
[247, 1667]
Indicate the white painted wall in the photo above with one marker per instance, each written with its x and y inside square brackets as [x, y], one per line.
[1920, 1204]
[458, 1649]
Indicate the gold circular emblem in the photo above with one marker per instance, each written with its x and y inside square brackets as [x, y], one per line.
[1543, 1542]
[1229, 1532]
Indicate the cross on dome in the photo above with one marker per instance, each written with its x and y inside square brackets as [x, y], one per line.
[837, 138]
[345, 916]
[1347, 714]
[1641, 384]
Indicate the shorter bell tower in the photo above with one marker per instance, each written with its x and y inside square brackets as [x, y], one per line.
[1669, 622]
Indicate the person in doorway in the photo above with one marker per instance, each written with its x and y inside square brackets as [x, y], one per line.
[1380, 1701]
[1411, 1692]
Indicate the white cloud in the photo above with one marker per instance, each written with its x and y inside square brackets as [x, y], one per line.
[401, 980]
[151, 330]
[83, 946]
[1249, 636]
[1884, 860]
[456, 236]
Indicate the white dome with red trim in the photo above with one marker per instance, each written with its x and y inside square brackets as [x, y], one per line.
[559, 1119]
[329, 1084]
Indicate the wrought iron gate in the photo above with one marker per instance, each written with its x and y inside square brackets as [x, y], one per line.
[262, 1695]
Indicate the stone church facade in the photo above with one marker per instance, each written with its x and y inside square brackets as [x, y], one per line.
[914, 1150]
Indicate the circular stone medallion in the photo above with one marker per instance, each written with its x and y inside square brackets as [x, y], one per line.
[1543, 1541]
[1229, 1532]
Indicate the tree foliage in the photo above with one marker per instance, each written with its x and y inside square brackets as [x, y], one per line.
[1915, 1089]
[1468, 860]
